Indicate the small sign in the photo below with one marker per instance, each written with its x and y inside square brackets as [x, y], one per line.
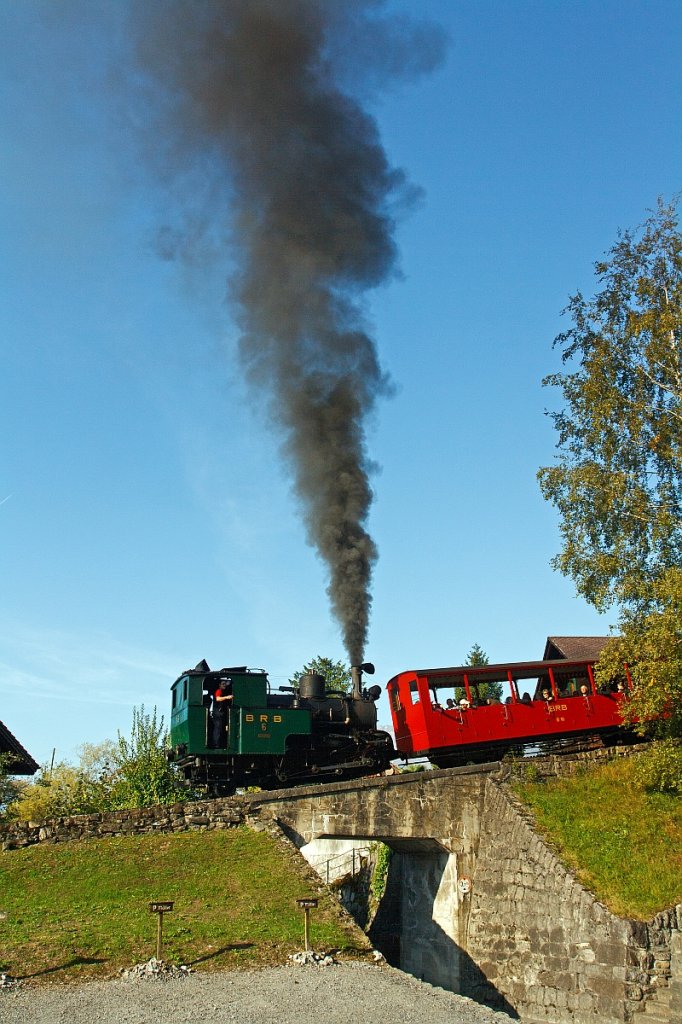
[161, 908]
[307, 903]
[464, 886]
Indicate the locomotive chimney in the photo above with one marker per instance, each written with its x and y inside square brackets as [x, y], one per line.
[356, 675]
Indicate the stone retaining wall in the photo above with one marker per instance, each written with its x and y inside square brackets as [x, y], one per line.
[205, 814]
[531, 769]
[548, 945]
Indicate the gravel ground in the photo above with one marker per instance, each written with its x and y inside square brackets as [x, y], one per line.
[342, 994]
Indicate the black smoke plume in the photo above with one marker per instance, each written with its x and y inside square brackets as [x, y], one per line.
[301, 199]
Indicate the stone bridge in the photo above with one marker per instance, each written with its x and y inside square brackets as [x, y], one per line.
[482, 906]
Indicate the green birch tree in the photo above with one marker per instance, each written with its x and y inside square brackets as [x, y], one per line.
[617, 480]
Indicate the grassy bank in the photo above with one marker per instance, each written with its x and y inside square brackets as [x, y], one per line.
[80, 910]
[624, 844]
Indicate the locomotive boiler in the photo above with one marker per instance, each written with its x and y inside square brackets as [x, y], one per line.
[272, 738]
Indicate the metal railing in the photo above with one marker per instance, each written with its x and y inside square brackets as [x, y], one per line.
[355, 858]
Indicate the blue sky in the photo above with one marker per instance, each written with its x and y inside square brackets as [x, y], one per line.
[146, 516]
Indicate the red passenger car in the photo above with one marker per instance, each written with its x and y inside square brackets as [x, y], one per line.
[455, 716]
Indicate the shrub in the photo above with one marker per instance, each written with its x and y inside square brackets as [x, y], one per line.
[143, 774]
[380, 873]
[56, 792]
[660, 767]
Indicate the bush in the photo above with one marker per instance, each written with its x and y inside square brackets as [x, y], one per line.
[131, 772]
[56, 792]
[659, 768]
[143, 775]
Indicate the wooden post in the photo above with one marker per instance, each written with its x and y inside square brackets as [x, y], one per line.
[306, 905]
[159, 934]
[160, 909]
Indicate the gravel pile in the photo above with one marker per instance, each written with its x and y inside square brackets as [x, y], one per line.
[340, 994]
[157, 969]
[314, 959]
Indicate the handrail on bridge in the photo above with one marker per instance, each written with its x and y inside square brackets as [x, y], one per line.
[358, 853]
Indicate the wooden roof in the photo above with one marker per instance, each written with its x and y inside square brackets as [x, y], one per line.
[22, 763]
[574, 648]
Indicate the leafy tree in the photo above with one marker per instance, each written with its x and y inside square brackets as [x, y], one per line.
[64, 789]
[130, 772]
[56, 791]
[618, 479]
[336, 673]
[143, 774]
[617, 484]
[650, 643]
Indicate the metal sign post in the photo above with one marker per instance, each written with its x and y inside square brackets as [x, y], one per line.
[160, 909]
[306, 905]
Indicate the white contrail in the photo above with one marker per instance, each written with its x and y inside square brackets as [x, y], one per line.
[5, 499]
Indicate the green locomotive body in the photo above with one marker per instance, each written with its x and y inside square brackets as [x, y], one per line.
[272, 738]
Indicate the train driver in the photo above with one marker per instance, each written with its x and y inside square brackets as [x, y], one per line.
[222, 698]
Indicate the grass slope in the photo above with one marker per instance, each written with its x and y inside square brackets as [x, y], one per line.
[624, 844]
[80, 910]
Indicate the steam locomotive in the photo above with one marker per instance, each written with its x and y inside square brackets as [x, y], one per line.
[272, 738]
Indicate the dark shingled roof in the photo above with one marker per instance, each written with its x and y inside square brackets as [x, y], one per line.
[22, 763]
[574, 648]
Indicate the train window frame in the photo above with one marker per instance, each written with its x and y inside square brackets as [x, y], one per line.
[185, 685]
